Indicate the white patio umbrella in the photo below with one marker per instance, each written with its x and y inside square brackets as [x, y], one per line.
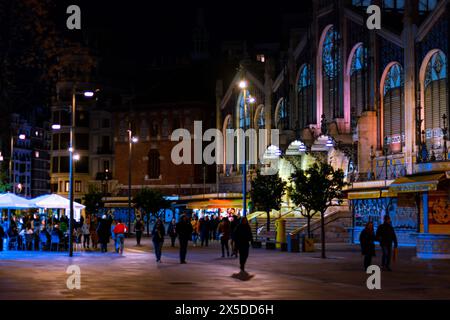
[11, 201]
[54, 201]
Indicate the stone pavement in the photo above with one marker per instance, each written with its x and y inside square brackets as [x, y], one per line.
[277, 275]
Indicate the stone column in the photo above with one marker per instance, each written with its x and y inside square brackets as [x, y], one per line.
[408, 38]
[425, 211]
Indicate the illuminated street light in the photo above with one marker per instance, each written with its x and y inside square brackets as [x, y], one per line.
[88, 94]
[76, 157]
[22, 136]
[134, 139]
[56, 126]
[243, 84]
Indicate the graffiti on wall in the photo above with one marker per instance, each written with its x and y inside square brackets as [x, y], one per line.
[365, 210]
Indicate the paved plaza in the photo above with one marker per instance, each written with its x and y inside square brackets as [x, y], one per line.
[277, 275]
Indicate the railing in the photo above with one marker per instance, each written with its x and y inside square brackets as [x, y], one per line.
[315, 223]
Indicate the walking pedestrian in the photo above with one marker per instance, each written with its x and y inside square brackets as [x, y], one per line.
[113, 236]
[93, 230]
[172, 232]
[233, 225]
[224, 235]
[243, 238]
[367, 241]
[204, 230]
[184, 231]
[119, 232]
[86, 233]
[103, 232]
[195, 226]
[138, 229]
[386, 236]
[158, 234]
[2, 235]
[215, 221]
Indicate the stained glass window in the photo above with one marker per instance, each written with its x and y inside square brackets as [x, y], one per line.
[394, 78]
[436, 102]
[242, 113]
[436, 68]
[282, 115]
[330, 54]
[304, 79]
[359, 60]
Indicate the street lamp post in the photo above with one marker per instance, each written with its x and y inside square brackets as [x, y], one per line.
[247, 100]
[131, 140]
[87, 94]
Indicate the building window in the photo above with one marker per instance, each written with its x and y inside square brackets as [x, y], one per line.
[153, 164]
[304, 97]
[436, 102]
[106, 165]
[66, 186]
[358, 84]
[394, 109]
[106, 123]
[260, 119]
[330, 72]
[242, 114]
[260, 58]
[77, 186]
[281, 114]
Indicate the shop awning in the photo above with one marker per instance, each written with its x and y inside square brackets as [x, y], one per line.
[364, 195]
[11, 201]
[215, 203]
[417, 183]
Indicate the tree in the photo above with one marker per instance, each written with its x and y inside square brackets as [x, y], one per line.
[4, 186]
[267, 192]
[150, 201]
[315, 190]
[93, 200]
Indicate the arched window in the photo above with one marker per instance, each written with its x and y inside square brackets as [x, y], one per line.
[358, 84]
[259, 117]
[330, 72]
[304, 97]
[281, 115]
[394, 108]
[436, 102]
[242, 113]
[228, 124]
[153, 164]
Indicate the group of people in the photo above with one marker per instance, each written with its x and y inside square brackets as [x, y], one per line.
[387, 238]
[237, 231]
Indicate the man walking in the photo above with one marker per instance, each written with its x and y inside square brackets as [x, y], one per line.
[243, 238]
[138, 228]
[386, 236]
[119, 232]
[184, 230]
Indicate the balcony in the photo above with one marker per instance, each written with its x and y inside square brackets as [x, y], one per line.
[104, 150]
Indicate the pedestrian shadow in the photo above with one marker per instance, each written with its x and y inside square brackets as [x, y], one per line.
[243, 276]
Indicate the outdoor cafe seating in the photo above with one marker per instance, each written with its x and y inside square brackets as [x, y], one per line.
[37, 240]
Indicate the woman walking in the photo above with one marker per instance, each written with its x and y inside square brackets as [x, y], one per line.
[158, 234]
[86, 233]
[172, 232]
[367, 241]
[243, 237]
[224, 235]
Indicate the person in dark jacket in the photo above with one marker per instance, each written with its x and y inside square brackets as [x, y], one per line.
[184, 231]
[233, 225]
[104, 233]
[243, 237]
[386, 236]
[204, 230]
[138, 228]
[224, 235]
[2, 235]
[367, 241]
[172, 232]
[158, 234]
